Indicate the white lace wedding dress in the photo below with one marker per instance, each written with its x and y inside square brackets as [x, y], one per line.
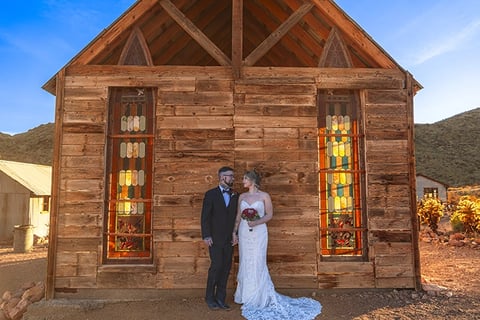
[255, 289]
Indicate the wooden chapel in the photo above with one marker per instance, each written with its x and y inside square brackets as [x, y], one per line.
[172, 90]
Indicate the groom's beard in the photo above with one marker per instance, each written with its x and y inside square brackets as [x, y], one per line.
[229, 184]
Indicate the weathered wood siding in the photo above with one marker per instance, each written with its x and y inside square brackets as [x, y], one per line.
[206, 119]
[389, 206]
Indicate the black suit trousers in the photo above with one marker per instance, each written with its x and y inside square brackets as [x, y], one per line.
[220, 265]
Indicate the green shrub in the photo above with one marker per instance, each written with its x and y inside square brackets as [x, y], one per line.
[467, 213]
[430, 210]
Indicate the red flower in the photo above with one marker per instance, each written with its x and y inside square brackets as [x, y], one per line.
[250, 214]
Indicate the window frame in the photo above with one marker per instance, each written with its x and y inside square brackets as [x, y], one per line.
[357, 137]
[111, 254]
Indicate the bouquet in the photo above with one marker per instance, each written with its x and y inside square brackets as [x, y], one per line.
[250, 214]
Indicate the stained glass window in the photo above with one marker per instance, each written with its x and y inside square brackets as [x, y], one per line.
[128, 236]
[340, 175]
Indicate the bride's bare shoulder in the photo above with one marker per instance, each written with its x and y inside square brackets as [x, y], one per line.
[265, 195]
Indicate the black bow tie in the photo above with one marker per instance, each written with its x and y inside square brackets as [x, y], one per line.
[226, 190]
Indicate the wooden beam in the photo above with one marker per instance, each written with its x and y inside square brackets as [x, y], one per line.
[54, 209]
[335, 53]
[237, 38]
[195, 33]
[130, 54]
[356, 33]
[410, 87]
[275, 36]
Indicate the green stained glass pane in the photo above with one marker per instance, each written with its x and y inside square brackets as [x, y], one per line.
[340, 190]
[131, 192]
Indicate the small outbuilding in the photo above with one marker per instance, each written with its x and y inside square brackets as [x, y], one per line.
[24, 198]
[150, 109]
[430, 188]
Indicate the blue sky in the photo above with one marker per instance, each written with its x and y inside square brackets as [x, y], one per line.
[438, 41]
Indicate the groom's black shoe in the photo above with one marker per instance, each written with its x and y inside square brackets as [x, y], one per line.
[212, 305]
[222, 305]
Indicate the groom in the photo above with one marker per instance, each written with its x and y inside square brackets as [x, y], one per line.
[218, 218]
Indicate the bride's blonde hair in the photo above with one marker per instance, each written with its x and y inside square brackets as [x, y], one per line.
[254, 176]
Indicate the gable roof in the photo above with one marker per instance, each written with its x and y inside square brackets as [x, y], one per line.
[276, 33]
[434, 180]
[35, 177]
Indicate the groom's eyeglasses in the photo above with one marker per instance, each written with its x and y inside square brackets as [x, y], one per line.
[228, 175]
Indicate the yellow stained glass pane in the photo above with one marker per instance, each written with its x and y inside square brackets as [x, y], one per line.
[348, 152]
[341, 149]
[128, 177]
[120, 207]
[121, 177]
[343, 203]
[343, 178]
[337, 203]
[340, 123]
[336, 178]
[334, 123]
[335, 149]
[350, 203]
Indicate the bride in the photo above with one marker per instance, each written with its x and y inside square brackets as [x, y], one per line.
[255, 289]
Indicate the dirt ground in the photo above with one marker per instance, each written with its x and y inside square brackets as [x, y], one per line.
[454, 268]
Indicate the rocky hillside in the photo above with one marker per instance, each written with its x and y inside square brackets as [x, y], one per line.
[33, 146]
[447, 151]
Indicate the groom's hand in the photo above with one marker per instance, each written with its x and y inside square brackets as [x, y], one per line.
[208, 241]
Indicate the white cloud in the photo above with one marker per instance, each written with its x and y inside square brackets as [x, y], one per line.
[448, 43]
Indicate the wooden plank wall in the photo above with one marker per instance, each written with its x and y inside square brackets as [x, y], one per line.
[390, 235]
[204, 120]
[276, 133]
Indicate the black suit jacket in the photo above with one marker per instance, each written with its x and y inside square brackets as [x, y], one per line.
[218, 220]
